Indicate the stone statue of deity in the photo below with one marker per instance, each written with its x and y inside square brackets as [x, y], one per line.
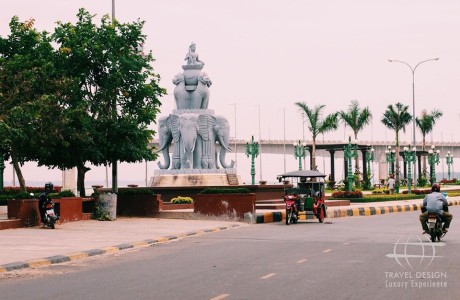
[200, 139]
[192, 86]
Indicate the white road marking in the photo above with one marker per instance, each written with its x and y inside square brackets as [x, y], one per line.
[346, 243]
[268, 276]
[222, 296]
[327, 250]
[302, 261]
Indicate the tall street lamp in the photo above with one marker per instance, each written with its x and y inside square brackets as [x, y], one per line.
[390, 156]
[433, 159]
[252, 150]
[234, 137]
[349, 153]
[413, 96]
[300, 152]
[409, 157]
[449, 161]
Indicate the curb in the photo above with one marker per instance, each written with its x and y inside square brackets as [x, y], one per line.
[57, 259]
[279, 216]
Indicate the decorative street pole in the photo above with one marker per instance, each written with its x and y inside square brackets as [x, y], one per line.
[299, 152]
[369, 159]
[409, 157]
[390, 155]
[433, 158]
[350, 153]
[449, 161]
[253, 151]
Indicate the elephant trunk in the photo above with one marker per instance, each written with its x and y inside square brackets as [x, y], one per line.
[223, 151]
[165, 151]
[224, 164]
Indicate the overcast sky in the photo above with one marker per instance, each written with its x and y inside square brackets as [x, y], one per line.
[267, 55]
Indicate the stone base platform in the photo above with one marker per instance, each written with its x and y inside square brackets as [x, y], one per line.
[171, 180]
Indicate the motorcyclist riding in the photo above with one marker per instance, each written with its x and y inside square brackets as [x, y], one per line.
[435, 202]
[43, 198]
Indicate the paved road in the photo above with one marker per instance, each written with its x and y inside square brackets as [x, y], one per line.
[348, 258]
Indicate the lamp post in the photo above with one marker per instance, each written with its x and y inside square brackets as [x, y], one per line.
[413, 96]
[433, 159]
[299, 152]
[390, 156]
[234, 137]
[253, 151]
[350, 153]
[449, 161]
[369, 159]
[409, 157]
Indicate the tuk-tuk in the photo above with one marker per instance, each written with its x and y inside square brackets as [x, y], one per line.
[306, 197]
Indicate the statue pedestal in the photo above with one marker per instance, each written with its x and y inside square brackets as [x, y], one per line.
[196, 179]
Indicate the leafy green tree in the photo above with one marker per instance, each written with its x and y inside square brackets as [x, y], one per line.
[109, 98]
[27, 76]
[356, 118]
[397, 117]
[317, 124]
[426, 124]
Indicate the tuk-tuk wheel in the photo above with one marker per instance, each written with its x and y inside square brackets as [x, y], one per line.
[321, 214]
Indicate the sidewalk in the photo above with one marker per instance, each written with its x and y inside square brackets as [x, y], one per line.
[36, 246]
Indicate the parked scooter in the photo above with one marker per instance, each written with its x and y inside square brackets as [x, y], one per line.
[292, 208]
[50, 216]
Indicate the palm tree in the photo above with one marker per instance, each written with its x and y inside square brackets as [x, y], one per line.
[396, 118]
[356, 119]
[426, 123]
[317, 125]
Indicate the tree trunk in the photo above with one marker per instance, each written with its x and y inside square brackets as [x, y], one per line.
[17, 169]
[313, 155]
[423, 157]
[397, 161]
[357, 172]
[81, 171]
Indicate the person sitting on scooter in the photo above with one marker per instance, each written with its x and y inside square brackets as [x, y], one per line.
[435, 202]
[43, 198]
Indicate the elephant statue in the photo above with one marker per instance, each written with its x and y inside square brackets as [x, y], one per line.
[184, 129]
[181, 95]
[206, 124]
[194, 96]
[200, 96]
[165, 137]
[222, 132]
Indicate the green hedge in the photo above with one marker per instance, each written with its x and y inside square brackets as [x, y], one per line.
[225, 191]
[135, 192]
[384, 198]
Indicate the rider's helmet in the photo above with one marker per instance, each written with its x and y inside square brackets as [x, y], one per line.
[436, 187]
[49, 187]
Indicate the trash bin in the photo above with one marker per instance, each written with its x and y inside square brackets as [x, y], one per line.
[108, 203]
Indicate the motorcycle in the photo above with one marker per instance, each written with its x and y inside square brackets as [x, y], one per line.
[292, 208]
[435, 224]
[50, 216]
